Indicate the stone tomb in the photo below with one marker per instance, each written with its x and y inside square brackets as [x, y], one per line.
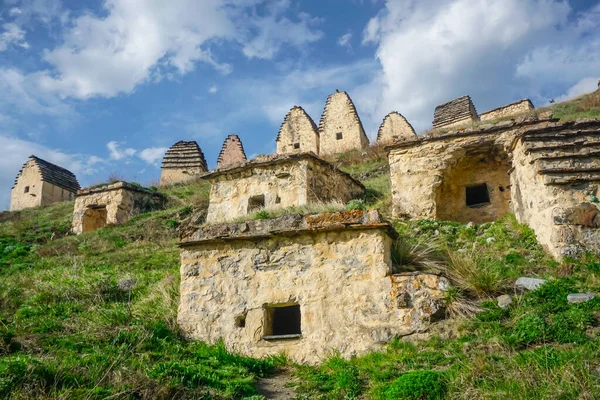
[395, 128]
[112, 204]
[182, 162]
[298, 133]
[40, 183]
[307, 286]
[509, 110]
[458, 112]
[544, 171]
[277, 182]
[340, 128]
[232, 152]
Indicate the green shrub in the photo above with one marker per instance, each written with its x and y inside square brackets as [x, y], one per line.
[417, 385]
[172, 224]
[529, 329]
[356, 204]
[262, 214]
[492, 312]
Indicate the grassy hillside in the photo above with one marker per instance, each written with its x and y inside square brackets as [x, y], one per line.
[94, 316]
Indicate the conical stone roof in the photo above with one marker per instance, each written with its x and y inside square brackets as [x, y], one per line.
[232, 152]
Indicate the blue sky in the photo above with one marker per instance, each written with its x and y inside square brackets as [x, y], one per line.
[104, 87]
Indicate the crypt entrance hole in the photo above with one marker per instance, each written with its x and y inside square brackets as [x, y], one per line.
[94, 217]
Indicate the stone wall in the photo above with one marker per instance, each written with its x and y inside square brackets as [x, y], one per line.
[182, 162]
[284, 181]
[395, 128]
[232, 152]
[298, 133]
[509, 110]
[112, 204]
[541, 169]
[340, 128]
[455, 113]
[335, 267]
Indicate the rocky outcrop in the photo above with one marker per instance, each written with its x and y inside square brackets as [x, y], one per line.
[395, 128]
[454, 113]
[340, 128]
[298, 133]
[232, 152]
[182, 162]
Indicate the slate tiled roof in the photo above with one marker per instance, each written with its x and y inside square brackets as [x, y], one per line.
[185, 155]
[54, 174]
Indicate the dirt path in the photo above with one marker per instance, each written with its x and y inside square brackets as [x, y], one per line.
[274, 387]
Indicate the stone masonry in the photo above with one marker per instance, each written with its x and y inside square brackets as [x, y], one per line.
[544, 171]
[277, 182]
[40, 183]
[509, 110]
[298, 133]
[182, 162]
[112, 204]
[306, 286]
[455, 113]
[232, 152]
[340, 128]
[395, 128]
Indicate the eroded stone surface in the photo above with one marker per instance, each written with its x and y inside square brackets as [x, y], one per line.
[395, 128]
[543, 170]
[509, 110]
[112, 204]
[232, 152]
[277, 182]
[335, 267]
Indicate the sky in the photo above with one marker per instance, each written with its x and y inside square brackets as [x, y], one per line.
[104, 87]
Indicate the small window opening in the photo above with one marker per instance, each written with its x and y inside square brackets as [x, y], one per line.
[277, 200]
[296, 145]
[283, 322]
[478, 195]
[501, 188]
[184, 172]
[255, 203]
[339, 136]
[26, 189]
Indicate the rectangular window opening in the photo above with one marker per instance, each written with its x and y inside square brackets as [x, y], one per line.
[296, 145]
[283, 322]
[339, 136]
[478, 195]
[256, 203]
[26, 189]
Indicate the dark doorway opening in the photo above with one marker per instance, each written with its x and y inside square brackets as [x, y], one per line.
[478, 195]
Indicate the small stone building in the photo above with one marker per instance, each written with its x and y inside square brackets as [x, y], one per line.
[232, 152]
[112, 204]
[40, 183]
[306, 286]
[298, 133]
[340, 128]
[509, 110]
[277, 182]
[458, 112]
[542, 170]
[182, 162]
[395, 128]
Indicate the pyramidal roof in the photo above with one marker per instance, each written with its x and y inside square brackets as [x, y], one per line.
[303, 114]
[396, 122]
[352, 108]
[232, 151]
[53, 174]
[185, 155]
[454, 110]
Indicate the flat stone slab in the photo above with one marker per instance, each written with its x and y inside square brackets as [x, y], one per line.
[580, 298]
[504, 301]
[529, 283]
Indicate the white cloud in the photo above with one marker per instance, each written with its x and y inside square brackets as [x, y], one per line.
[213, 90]
[117, 153]
[269, 33]
[13, 35]
[153, 154]
[344, 41]
[496, 50]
